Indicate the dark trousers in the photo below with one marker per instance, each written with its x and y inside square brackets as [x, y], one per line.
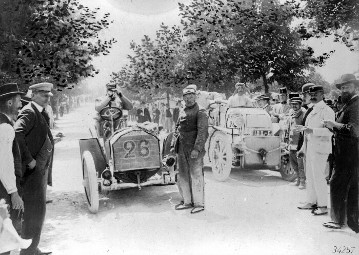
[35, 206]
[344, 198]
[34, 197]
[344, 183]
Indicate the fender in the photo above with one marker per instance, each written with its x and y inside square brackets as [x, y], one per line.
[93, 146]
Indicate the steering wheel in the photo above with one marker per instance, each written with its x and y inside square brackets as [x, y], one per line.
[111, 113]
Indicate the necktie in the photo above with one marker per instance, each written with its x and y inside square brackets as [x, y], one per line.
[306, 114]
[46, 116]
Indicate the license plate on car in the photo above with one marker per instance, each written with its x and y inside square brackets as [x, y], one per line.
[262, 132]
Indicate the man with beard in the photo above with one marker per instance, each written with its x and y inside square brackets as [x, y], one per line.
[344, 179]
[10, 157]
[316, 148]
[36, 145]
[189, 141]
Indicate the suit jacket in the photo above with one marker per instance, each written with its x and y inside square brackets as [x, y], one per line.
[31, 130]
[320, 139]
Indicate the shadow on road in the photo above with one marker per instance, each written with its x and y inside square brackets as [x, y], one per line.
[255, 178]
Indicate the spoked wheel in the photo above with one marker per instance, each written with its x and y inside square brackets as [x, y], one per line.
[286, 171]
[90, 182]
[221, 156]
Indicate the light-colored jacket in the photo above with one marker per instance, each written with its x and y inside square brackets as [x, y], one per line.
[320, 139]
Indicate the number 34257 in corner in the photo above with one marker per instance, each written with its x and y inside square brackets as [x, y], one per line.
[343, 249]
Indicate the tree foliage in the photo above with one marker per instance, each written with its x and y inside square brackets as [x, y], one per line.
[54, 40]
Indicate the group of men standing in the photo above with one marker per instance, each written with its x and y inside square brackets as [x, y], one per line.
[27, 148]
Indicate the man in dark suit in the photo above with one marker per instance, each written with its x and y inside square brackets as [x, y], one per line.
[344, 178]
[36, 145]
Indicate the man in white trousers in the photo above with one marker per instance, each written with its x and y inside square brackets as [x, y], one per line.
[316, 148]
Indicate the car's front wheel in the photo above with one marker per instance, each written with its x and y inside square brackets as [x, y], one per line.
[90, 182]
[220, 152]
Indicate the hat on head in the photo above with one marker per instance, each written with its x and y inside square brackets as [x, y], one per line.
[293, 94]
[190, 89]
[347, 78]
[110, 86]
[316, 88]
[329, 102]
[240, 84]
[307, 86]
[283, 90]
[295, 100]
[43, 86]
[9, 89]
[263, 97]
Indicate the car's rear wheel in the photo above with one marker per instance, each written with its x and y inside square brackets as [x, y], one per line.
[286, 170]
[221, 156]
[90, 182]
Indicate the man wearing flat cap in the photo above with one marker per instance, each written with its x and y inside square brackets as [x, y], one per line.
[36, 145]
[296, 118]
[189, 141]
[10, 156]
[263, 102]
[316, 147]
[344, 177]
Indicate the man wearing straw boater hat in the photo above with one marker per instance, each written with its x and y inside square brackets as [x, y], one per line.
[36, 144]
[344, 177]
[10, 156]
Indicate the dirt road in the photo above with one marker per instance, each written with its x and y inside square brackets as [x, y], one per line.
[254, 212]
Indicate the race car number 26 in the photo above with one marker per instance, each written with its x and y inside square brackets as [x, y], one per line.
[142, 150]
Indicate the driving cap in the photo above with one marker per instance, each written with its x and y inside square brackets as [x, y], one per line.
[306, 87]
[347, 78]
[240, 84]
[190, 89]
[263, 97]
[316, 88]
[43, 86]
[283, 90]
[295, 100]
[293, 94]
[9, 89]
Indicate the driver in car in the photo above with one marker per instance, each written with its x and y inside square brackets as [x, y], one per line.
[113, 98]
[239, 97]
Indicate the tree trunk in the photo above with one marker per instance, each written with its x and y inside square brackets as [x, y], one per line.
[168, 95]
[265, 83]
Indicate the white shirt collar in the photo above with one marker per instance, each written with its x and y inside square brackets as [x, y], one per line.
[10, 119]
[39, 107]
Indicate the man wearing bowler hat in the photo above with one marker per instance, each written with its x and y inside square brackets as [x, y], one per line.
[36, 145]
[344, 178]
[189, 141]
[316, 148]
[10, 157]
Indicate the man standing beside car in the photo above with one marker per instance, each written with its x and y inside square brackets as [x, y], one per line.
[10, 157]
[189, 140]
[36, 145]
[316, 148]
[296, 118]
[344, 180]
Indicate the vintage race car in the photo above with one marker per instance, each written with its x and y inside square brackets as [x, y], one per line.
[243, 137]
[123, 157]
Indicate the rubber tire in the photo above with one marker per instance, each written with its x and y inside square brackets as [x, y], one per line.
[90, 183]
[220, 171]
[285, 170]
